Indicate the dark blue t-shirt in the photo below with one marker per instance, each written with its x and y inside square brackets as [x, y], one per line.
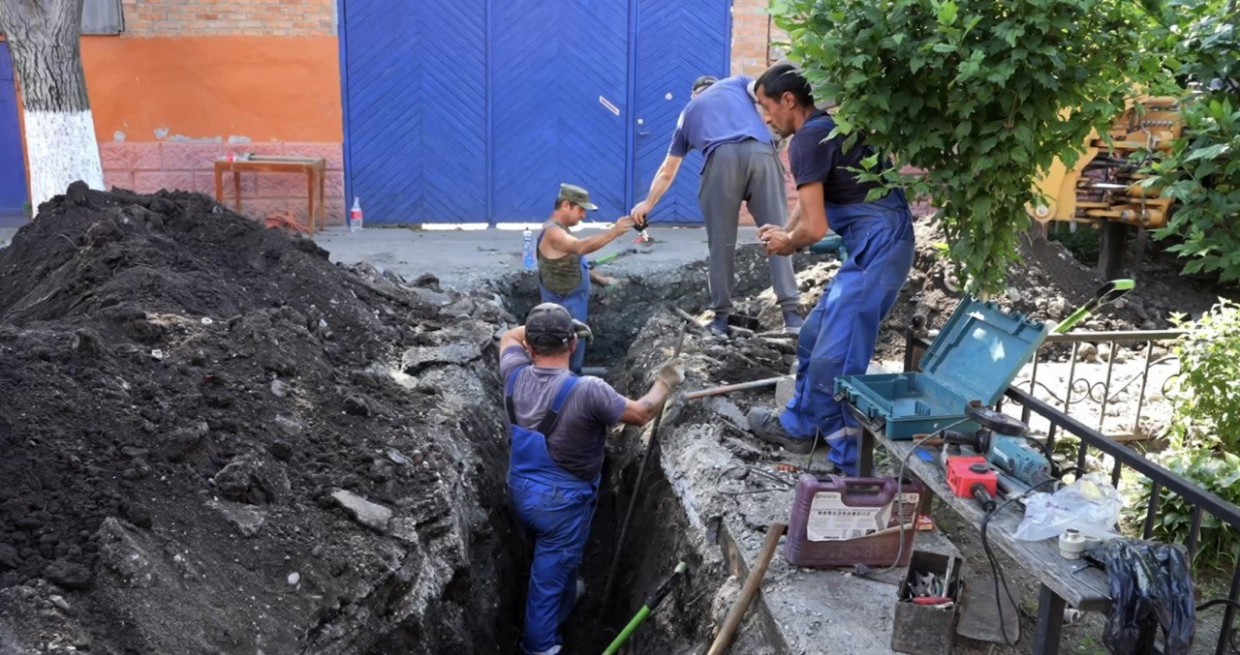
[724, 113]
[815, 158]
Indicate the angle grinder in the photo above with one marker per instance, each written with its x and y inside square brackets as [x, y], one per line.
[1004, 442]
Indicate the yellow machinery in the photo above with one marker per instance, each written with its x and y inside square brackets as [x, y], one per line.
[1102, 186]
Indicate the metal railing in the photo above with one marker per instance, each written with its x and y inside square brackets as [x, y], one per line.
[1090, 439]
[1080, 389]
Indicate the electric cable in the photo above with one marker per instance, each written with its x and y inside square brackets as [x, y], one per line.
[995, 569]
[1231, 640]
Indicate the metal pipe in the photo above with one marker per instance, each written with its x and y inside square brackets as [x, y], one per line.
[723, 640]
[637, 488]
[729, 388]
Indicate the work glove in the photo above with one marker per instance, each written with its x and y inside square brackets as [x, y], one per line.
[672, 373]
[583, 331]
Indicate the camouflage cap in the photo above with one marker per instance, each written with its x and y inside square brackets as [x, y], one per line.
[577, 196]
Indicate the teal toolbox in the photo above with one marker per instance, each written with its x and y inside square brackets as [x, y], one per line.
[975, 357]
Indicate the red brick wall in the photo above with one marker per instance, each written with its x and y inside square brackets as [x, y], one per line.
[151, 166]
[754, 37]
[148, 18]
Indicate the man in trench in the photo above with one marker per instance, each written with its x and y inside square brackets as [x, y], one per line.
[558, 423]
[722, 121]
[841, 333]
[564, 275]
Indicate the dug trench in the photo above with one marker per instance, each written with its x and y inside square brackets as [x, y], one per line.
[217, 441]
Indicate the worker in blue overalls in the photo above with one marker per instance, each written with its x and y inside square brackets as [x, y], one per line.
[564, 275]
[558, 423]
[841, 333]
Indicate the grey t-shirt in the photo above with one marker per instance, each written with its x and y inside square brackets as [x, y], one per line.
[576, 441]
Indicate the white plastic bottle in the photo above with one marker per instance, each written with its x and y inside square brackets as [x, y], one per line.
[355, 215]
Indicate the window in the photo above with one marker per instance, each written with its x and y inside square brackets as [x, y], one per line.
[102, 17]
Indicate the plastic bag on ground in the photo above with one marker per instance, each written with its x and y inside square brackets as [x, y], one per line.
[1151, 585]
[1090, 505]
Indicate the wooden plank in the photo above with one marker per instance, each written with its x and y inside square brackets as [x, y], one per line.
[1086, 589]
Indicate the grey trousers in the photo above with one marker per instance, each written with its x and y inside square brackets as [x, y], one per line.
[748, 171]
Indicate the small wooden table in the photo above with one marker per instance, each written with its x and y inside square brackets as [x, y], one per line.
[1063, 581]
[315, 169]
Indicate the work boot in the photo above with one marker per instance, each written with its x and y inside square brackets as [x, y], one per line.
[719, 326]
[764, 423]
[792, 322]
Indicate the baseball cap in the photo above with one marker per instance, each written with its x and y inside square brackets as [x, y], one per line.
[577, 196]
[703, 82]
[549, 324]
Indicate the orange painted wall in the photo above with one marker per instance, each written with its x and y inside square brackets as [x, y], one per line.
[263, 88]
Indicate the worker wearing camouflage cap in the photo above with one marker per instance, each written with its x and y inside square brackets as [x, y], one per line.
[564, 275]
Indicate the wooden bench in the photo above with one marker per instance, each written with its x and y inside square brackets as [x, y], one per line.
[315, 169]
[1063, 581]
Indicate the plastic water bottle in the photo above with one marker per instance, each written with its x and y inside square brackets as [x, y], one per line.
[355, 215]
[527, 250]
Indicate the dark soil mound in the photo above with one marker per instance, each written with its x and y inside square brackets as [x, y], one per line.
[209, 442]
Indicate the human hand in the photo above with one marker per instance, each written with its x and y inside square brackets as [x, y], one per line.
[641, 213]
[583, 331]
[606, 281]
[623, 224]
[672, 373]
[776, 240]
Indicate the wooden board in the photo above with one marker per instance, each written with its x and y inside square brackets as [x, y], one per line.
[1085, 589]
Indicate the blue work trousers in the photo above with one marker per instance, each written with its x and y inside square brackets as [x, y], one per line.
[559, 519]
[841, 333]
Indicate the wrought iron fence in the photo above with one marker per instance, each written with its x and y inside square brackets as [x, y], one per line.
[1091, 439]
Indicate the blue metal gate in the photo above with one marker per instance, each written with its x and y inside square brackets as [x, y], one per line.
[13, 195]
[476, 110]
[677, 41]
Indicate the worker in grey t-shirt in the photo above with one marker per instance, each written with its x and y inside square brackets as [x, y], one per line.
[558, 422]
[723, 122]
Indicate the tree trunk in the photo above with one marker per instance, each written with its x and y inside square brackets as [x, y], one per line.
[45, 39]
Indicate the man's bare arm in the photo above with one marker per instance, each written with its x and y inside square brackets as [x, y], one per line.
[562, 241]
[662, 182]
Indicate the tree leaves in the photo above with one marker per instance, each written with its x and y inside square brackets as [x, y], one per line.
[973, 97]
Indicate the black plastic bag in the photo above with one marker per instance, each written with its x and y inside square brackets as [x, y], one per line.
[1150, 583]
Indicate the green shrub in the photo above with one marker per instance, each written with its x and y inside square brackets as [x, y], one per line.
[1206, 393]
[1202, 170]
[1217, 545]
[982, 97]
[1205, 435]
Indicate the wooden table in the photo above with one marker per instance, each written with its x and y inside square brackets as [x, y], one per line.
[315, 169]
[1063, 581]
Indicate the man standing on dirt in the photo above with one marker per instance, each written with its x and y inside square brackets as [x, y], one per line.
[558, 424]
[841, 333]
[722, 121]
[564, 276]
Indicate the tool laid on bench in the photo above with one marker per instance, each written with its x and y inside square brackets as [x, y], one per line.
[1004, 442]
[972, 477]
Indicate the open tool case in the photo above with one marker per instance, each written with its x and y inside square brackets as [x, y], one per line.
[975, 357]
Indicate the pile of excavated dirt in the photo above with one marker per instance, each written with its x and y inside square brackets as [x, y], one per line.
[214, 440]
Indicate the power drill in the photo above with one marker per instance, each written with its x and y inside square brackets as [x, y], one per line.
[1004, 442]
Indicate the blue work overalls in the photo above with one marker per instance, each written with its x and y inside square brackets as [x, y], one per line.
[556, 507]
[577, 302]
[841, 333]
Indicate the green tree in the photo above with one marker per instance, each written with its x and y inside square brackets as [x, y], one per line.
[981, 95]
[1202, 170]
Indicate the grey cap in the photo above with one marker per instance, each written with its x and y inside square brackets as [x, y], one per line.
[549, 325]
[577, 196]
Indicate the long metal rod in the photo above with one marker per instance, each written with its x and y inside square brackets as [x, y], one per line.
[637, 488]
[729, 388]
[752, 583]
